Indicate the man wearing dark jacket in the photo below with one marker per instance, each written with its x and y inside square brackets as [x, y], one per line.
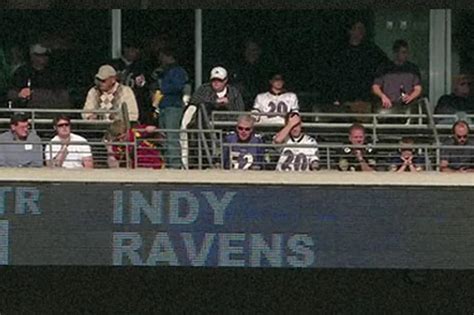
[218, 94]
[168, 100]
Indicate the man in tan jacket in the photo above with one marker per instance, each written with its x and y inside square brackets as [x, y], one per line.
[108, 94]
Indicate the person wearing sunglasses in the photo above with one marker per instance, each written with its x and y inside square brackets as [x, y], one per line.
[67, 150]
[277, 102]
[244, 157]
[20, 146]
[460, 159]
[294, 157]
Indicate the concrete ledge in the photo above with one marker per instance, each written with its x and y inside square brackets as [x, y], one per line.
[235, 177]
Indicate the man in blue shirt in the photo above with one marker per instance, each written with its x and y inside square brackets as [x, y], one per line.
[20, 147]
[168, 100]
[243, 157]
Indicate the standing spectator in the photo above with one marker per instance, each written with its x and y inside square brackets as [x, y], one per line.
[169, 86]
[277, 101]
[218, 94]
[132, 72]
[36, 85]
[406, 160]
[244, 157]
[67, 150]
[458, 159]
[252, 71]
[458, 101]
[20, 147]
[357, 155]
[294, 158]
[144, 136]
[108, 94]
[397, 83]
[354, 70]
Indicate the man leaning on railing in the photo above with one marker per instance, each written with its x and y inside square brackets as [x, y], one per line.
[20, 147]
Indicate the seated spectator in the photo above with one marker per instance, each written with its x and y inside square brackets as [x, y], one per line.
[397, 83]
[294, 158]
[218, 94]
[459, 159]
[458, 101]
[36, 85]
[252, 71]
[406, 160]
[144, 136]
[67, 150]
[357, 155]
[240, 157]
[20, 147]
[108, 94]
[276, 101]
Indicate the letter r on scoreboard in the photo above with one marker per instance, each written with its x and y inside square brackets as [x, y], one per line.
[3, 242]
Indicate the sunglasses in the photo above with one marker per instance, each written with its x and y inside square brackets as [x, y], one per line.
[239, 128]
[63, 125]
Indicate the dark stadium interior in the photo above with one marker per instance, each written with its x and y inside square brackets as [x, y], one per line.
[301, 45]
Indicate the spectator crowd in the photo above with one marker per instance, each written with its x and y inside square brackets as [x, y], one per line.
[140, 100]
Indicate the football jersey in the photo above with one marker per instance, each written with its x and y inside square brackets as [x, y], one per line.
[298, 158]
[280, 104]
[243, 157]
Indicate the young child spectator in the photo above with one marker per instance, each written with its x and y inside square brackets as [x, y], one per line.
[406, 160]
[67, 150]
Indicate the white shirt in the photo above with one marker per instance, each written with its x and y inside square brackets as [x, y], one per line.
[280, 104]
[76, 152]
[298, 158]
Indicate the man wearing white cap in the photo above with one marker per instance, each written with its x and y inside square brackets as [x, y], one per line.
[108, 94]
[218, 94]
[35, 85]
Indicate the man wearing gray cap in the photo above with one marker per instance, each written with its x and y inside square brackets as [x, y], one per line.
[35, 85]
[218, 94]
[108, 94]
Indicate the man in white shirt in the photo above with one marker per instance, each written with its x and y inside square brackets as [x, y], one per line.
[294, 158]
[277, 102]
[67, 149]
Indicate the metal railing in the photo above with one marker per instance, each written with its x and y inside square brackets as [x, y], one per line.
[152, 153]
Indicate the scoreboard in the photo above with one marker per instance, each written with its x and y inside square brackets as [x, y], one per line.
[236, 225]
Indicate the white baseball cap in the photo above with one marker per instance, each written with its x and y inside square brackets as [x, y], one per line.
[218, 73]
